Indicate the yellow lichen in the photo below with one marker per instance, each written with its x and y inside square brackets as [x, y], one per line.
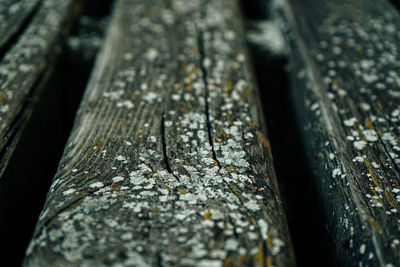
[207, 216]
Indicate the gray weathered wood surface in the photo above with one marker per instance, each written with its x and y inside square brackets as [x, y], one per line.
[168, 163]
[25, 65]
[345, 62]
[13, 15]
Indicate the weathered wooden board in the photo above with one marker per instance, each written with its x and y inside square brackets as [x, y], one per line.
[168, 163]
[14, 14]
[30, 37]
[24, 65]
[345, 61]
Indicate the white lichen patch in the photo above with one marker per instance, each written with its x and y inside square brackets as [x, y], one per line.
[252, 205]
[365, 106]
[370, 135]
[117, 179]
[4, 108]
[151, 54]
[120, 158]
[114, 95]
[151, 97]
[362, 248]
[350, 122]
[267, 34]
[69, 191]
[125, 103]
[359, 145]
[96, 185]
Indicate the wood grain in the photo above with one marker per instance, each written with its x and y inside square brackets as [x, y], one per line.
[168, 163]
[345, 62]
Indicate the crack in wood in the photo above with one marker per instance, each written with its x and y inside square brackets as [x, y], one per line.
[200, 43]
[164, 147]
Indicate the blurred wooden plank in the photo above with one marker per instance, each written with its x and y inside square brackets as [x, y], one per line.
[345, 63]
[168, 162]
[14, 16]
[24, 65]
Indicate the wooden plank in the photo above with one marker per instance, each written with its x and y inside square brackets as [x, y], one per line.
[14, 14]
[345, 86]
[168, 162]
[24, 65]
[23, 189]
[26, 68]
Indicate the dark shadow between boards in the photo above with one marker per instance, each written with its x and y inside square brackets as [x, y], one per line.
[34, 162]
[306, 221]
[396, 4]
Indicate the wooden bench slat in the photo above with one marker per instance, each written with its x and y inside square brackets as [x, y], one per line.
[13, 14]
[25, 65]
[168, 162]
[30, 41]
[345, 76]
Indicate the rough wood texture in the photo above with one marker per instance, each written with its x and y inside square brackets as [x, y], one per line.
[168, 163]
[13, 15]
[345, 76]
[25, 65]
